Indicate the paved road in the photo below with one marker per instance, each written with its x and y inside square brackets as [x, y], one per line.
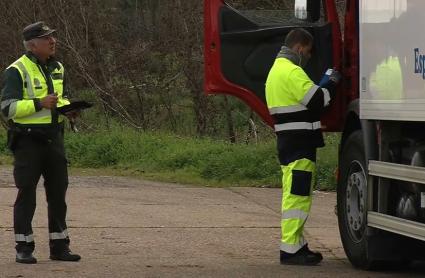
[125, 227]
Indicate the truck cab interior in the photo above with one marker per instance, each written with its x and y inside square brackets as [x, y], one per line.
[249, 48]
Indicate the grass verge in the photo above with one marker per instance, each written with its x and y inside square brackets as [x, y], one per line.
[169, 158]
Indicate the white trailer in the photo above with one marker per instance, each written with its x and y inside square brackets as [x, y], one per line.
[381, 192]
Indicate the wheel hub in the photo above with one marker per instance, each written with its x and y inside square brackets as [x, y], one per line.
[356, 201]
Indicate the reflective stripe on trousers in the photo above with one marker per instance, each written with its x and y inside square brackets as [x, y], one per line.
[297, 180]
[63, 235]
[24, 238]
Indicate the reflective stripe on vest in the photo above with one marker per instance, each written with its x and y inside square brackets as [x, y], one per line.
[309, 94]
[297, 126]
[40, 114]
[326, 97]
[27, 78]
[287, 109]
[12, 110]
[7, 102]
[12, 107]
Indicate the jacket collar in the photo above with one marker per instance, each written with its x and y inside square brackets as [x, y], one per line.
[289, 54]
[51, 63]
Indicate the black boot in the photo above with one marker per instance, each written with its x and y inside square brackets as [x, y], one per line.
[24, 252]
[304, 256]
[25, 257]
[59, 251]
[64, 255]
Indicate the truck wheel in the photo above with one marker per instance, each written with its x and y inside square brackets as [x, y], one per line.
[352, 200]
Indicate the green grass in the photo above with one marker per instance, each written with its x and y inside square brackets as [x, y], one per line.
[171, 158]
[327, 162]
[5, 158]
[167, 157]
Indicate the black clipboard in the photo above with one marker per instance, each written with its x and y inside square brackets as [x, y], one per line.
[76, 105]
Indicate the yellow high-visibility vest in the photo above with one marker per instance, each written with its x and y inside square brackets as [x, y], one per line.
[35, 86]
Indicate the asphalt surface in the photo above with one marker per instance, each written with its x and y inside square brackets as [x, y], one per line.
[124, 227]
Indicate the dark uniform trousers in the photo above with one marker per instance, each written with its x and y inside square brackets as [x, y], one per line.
[36, 156]
[288, 154]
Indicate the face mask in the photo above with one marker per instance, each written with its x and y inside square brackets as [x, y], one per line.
[303, 60]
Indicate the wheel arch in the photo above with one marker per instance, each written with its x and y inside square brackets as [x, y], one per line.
[368, 128]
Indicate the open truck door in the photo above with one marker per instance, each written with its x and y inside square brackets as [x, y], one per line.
[240, 50]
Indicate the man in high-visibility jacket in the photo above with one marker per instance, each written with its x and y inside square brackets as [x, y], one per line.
[32, 91]
[296, 104]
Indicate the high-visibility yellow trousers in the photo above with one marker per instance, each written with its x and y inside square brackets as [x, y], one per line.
[297, 185]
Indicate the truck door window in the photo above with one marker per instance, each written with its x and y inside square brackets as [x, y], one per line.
[271, 13]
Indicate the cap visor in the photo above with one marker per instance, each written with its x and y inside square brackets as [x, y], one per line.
[47, 33]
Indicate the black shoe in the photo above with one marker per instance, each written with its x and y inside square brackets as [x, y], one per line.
[66, 255]
[25, 258]
[304, 256]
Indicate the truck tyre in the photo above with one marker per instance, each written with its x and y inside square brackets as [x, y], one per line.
[352, 200]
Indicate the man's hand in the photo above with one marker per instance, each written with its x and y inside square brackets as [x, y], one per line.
[49, 101]
[331, 76]
[335, 76]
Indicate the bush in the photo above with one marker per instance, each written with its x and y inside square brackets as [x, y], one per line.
[204, 159]
[187, 159]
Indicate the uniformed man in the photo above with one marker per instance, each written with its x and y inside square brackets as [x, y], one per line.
[33, 89]
[296, 104]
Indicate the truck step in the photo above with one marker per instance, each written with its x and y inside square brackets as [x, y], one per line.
[397, 171]
[396, 225]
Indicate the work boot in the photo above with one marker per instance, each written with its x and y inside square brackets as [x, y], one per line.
[65, 255]
[304, 256]
[25, 257]
[59, 251]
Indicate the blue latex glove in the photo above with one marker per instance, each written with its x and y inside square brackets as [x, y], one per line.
[330, 75]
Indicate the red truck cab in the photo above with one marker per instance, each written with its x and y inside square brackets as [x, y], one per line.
[239, 53]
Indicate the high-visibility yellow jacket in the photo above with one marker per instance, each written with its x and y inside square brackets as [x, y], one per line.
[296, 104]
[37, 82]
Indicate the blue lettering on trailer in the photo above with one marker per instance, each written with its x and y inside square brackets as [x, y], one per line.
[419, 63]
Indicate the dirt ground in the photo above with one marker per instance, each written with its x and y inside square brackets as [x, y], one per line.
[124, 227]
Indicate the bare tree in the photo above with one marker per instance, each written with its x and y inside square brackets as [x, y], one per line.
[141, 61]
